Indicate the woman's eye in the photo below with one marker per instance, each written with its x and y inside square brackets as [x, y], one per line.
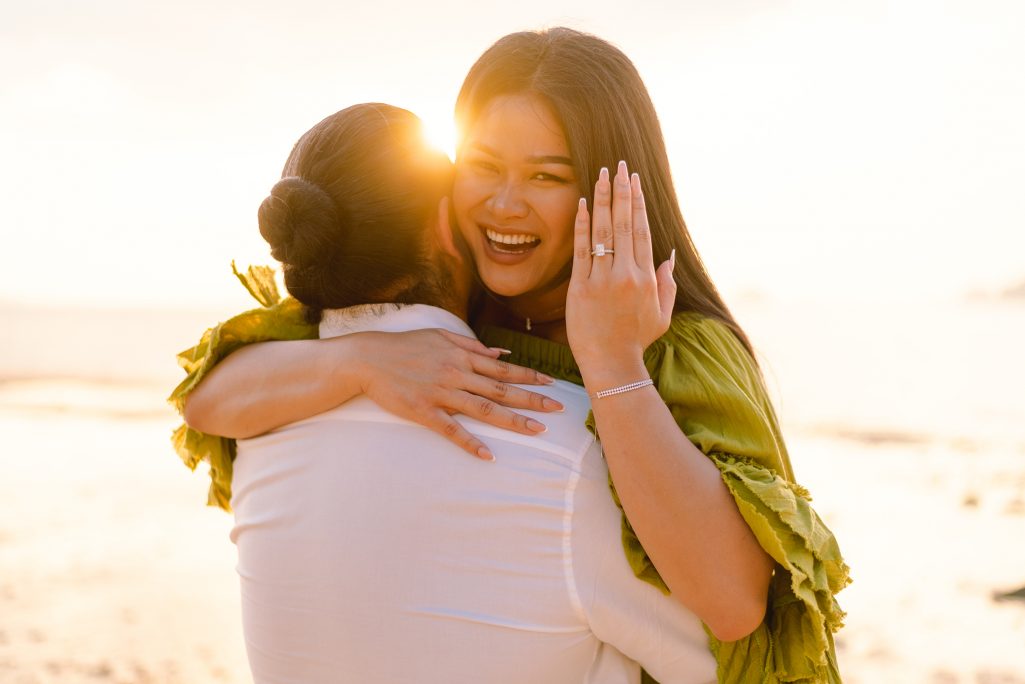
[485, 166]
[548, 177]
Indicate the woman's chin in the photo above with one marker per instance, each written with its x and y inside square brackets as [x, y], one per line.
[506, 277]
[504, 287]
[520, 275]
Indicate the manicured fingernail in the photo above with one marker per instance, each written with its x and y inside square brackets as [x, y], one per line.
[485, 454]
[603, 175]
[672, 257]
[582, 204]
[635, 184]
[535, 426]
[546, 379]
[552, 405]
[500, 350]
[621, 171]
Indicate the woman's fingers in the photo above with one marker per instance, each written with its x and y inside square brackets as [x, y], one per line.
[508, 373]
[666, 287]
[449, 428]
[641, 231]
[443, 373]
[492, 413]
[484, 362]
[472, 344]
[581, 243]
[602, 237]
[622, 219]
[476, 404]
[492, 380]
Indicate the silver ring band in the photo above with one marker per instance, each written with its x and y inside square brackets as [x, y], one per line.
[601, 250]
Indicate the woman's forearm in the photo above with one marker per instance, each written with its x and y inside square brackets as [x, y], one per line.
[673, 495]
[267, 385]
[680, 508]
[424, 376]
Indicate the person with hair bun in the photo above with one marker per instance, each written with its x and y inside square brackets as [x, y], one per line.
[589, 278]
[370, 548]
[347, 219]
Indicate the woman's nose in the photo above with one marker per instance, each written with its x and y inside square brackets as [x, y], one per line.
[506, 202]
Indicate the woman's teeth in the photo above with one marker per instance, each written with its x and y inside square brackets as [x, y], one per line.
[505, 242]
[510, 239]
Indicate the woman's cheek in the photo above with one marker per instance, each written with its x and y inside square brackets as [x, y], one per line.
[462, 202]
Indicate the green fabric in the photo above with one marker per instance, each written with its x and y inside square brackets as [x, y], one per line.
[277, 319]
[715, 393]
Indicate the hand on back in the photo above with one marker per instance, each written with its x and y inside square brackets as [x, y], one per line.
[426, 376]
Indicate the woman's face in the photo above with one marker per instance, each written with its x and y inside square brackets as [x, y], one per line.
[515, 196]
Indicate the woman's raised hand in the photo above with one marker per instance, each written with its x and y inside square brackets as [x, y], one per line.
[426, 376]
[617, 304]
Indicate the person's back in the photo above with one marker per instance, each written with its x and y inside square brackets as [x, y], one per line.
[371, 549]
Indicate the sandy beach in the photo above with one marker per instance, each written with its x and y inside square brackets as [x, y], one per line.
[109, 570]
[113, 570]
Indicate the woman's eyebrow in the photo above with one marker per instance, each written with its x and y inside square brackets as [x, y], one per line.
[550, 159]
[537, 159]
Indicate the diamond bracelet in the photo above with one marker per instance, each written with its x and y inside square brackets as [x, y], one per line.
[623, 388]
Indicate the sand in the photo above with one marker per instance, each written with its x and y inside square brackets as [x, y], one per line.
[112, 570]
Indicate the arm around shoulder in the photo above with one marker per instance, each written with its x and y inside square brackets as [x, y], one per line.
[264, 386]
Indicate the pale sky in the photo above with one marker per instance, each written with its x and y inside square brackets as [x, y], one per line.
[821, 149]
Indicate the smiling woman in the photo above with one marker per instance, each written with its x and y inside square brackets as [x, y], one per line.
[515, 194]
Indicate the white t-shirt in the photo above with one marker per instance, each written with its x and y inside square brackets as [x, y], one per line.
[373, 550]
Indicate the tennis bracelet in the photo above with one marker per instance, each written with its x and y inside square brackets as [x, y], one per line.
[623, 388]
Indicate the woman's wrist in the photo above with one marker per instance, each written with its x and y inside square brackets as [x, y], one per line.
[348, 364]
[609, 373]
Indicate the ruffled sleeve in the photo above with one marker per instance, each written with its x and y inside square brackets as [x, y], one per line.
[716, 394]
[277, 319]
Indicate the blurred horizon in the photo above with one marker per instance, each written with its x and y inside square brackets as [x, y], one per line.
[856, 372]
[821, 151]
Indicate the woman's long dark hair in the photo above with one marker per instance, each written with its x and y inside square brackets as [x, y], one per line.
[348, 218]
[607, 115]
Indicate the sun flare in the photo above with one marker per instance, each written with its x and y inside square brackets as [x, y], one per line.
[441, 133]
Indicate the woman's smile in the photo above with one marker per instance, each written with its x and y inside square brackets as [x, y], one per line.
[505, 244]
[515, 196]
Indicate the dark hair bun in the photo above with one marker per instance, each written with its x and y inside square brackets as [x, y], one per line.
[300, 222]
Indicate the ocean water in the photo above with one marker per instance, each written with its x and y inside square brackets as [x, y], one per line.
[952, 371]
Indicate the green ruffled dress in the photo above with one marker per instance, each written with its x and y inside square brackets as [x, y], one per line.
[716, 394]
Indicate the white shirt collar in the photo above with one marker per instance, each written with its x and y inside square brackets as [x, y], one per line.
[390, 318]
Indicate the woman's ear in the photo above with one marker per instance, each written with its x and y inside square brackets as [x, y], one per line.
[443, 229]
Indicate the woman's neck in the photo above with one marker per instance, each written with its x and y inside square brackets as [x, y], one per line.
[539, 314]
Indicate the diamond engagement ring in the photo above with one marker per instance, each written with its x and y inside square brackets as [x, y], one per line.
[600, 250]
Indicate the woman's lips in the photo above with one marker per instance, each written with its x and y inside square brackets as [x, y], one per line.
[508, 247]
[510, 239]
